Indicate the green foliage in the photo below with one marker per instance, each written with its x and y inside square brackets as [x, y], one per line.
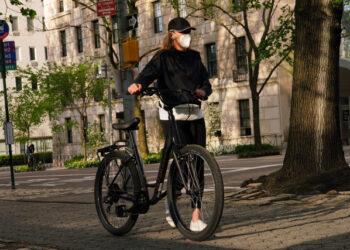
[213, 118]
[222, 150]
[20, 159]
[82, 164]
[24, 11]
[152, 158]
[25, 168]
[74, 159]
[250, 151]
[95, 138]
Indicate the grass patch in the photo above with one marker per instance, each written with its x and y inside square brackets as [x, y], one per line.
[81, 164]
[25, 168]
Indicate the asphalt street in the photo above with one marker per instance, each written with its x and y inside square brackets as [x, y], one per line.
[234, 172]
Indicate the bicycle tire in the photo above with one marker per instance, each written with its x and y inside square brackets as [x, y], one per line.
[112, 192]
[209, 193]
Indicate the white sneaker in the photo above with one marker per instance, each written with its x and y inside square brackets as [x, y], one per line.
[197, 226]
[168, 216]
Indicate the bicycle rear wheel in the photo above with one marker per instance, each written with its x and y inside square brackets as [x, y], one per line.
[116, 187]
[195, 183]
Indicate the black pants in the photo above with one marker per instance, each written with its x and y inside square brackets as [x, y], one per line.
[190, 132]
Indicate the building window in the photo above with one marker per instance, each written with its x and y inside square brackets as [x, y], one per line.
[46, 54]
[244, 117]
[241, 56]
[86, 126]
[240, 74]
[32, 56]
[96, 30]
[211, 60]
[34, 81]
[14, 23]
[115, 29]
[102, 123]
[79, 39]
[18, 83]
[76, 4]
[60, 6]
[44, 25]
[63, 43]
[158, 26]
[69, 130]
[30, 24]
[182, 9]
[18, 54]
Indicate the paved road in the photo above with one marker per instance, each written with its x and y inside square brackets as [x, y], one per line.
[234, 172]
[55, 209]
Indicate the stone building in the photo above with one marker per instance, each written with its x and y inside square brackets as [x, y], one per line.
[31, 49]
[72, 34]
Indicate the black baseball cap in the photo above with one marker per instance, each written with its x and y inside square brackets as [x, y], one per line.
[179, 24]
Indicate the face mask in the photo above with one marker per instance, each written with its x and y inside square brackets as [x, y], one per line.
[185, 41]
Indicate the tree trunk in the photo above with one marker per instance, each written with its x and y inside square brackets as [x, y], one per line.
[314, 143]
[142, 139]
[82, 133]
[253, 82]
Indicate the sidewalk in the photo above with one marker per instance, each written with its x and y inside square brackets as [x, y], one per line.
[66, 219]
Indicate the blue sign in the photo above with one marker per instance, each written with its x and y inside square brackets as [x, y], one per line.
[4, 30]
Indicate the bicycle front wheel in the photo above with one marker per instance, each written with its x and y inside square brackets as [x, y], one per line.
[195, 188]
[116, 188]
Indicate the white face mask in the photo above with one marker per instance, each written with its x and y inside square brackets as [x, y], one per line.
[185, 41]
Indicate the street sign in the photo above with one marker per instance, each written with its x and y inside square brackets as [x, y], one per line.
[10, 56]
[8, 133]
[132, 22]
[4, 30]
[106, 8]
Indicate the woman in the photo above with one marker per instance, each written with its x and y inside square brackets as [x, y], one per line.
[175, 66]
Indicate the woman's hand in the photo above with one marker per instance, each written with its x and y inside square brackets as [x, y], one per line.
[200, 93]
[134, 88]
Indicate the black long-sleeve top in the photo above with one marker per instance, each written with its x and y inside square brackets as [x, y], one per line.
[176, 69]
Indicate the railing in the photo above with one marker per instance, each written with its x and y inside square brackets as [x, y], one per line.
[240, 75]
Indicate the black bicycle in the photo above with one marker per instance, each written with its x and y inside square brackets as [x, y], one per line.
[194, 180]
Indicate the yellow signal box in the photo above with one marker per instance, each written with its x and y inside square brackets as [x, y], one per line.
[130, 52]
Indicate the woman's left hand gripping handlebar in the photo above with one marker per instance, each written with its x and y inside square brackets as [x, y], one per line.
[134, 88]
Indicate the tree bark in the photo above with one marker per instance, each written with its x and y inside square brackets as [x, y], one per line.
[253, 83]
[142, 139]
[314, 143]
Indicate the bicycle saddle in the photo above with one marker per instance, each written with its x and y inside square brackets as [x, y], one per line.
[128, 125]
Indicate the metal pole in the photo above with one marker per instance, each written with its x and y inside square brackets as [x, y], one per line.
[128, 100]
[6, 109]
[109, 91]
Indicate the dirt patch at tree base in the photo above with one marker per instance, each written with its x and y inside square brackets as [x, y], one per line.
[277, 183]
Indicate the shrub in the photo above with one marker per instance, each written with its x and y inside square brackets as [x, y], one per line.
[74, 159]
[222, 150]
[82, 164]
[21, 159]
[152, 158]
[249, 150]
[25, 168]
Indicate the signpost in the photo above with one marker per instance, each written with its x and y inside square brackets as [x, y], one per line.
[7, 60]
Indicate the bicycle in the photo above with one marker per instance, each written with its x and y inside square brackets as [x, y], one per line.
[194, 180]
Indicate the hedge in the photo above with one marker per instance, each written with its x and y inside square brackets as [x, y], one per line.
[249, 150]
[21, 159]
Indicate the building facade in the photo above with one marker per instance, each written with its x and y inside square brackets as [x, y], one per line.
[75, 32]
[31, 49]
